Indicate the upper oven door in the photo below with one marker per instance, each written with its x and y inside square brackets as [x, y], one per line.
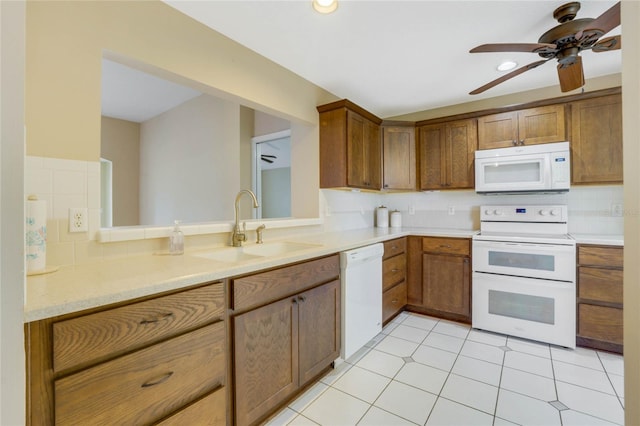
[514, 173]
[548, 261]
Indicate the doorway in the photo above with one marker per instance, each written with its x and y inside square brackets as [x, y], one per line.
[272, 174]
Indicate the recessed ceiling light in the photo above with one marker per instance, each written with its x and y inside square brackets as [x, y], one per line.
[325, 6]
[507, 66]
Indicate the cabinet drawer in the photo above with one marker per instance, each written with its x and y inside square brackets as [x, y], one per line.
[599, 284]
[146, 385]
[209, 411]
[394, 270]
[394, 247]
[600, 323]
[393, 300]
[600, 256]
[459, 246]
[93, 337]
[265, 287]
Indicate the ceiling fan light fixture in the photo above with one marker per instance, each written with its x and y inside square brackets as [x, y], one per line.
[506, 66]
[325, 6]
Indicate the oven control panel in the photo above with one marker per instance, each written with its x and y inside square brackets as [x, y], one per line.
[524, 213]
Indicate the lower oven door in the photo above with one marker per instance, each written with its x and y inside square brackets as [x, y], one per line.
[535, 309]
[550, 261]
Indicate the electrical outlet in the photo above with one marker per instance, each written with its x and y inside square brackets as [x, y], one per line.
[412, 209]
[616, 210]
[78, 220]
[451, 210]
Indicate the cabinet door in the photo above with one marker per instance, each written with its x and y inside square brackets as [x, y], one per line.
[446, 283]
[596, 140]
[266, 358]
[399, 158]
[363, 152]
[462, 141]
[319, 329]
[497, 130]
[432, 139]
[542, 125]
[414, 270]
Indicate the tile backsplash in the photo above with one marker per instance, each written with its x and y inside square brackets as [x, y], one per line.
[66, 184]
[590, 208]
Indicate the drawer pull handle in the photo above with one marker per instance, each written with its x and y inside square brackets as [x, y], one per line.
[394, 301]
[158, 319]
[445, 245]
[162, 379]
[394, 270]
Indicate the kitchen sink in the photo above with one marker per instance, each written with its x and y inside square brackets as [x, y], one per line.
[228, 255]
[277, 248]
[255, 251]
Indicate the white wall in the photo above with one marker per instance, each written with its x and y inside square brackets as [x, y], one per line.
[190, 161]
[12, 358]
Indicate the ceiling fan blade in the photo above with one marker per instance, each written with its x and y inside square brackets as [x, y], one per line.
[605, 22]
[514, 47]
[571, 76]
[508, 76]
[607, 44]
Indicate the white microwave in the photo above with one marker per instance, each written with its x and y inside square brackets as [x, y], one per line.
[540, 168]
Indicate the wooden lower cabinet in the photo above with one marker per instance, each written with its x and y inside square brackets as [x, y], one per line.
[600, 293]
[394, 274]
[283, 345]
[439, 277]
[446, 283]
[139, 363]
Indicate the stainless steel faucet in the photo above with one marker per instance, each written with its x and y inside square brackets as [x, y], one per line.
[239, 236]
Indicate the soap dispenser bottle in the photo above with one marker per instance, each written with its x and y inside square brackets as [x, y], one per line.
[176, 239]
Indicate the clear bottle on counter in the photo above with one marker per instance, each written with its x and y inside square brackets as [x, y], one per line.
[176, 239]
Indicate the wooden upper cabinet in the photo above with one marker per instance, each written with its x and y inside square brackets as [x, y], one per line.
[446, 153]
[531, 126]
[596, 140]
[364, 161]
[399, 157]
[350, 147]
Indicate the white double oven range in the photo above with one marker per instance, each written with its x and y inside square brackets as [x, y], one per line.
[524, 273]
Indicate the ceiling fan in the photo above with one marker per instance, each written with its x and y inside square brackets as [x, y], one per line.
[268, 158]
[563, 42]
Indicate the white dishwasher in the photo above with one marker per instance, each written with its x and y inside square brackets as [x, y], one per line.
[361, 282]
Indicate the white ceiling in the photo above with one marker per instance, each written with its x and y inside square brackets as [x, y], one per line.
[396, 57]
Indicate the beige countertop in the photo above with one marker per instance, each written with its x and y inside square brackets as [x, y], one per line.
[80, 287]
[608, 240]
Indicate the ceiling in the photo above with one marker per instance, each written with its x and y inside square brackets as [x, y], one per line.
[397, 57]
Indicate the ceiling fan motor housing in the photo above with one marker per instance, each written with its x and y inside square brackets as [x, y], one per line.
[563, 36]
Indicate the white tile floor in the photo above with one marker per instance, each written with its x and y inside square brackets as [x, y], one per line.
[426, 371]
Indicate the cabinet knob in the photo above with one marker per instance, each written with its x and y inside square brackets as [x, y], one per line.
[514, 142]
[302, 298]
[521, 141]
[294, 301]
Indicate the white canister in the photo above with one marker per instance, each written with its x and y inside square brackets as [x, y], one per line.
[382, 217]
[396, 219]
